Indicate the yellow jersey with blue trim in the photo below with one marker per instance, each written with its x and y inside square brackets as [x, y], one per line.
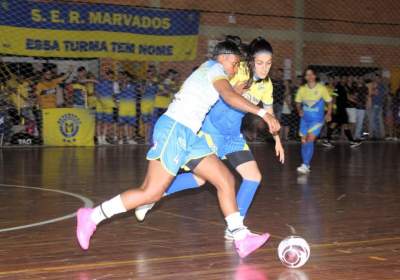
[313, 101]
[223, 119]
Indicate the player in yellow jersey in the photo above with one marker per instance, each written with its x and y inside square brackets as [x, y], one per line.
[127, 109]
[310, 101]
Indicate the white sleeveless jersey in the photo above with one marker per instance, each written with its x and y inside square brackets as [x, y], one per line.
[197, 95]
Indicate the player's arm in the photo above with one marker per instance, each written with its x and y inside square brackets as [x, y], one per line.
[298, 100]
[279, 151]
[229, 95]
[328, 99]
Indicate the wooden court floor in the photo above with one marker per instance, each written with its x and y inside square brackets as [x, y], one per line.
[348, 209]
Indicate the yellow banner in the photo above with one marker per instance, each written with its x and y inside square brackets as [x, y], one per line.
[59, 29]
[53, 43]
[68, 127]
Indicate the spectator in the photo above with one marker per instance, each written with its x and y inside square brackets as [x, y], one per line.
[78, 89]
[278, 93]
[351, 103]
[127, 108]
[47, 89]
[340, 118]
[104, 90]
[165, 93]
[287, 110]
[377, 91]
[149, 90]
[361, 97]
[396, 114]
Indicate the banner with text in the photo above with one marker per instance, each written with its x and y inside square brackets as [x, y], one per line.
[97, 30]
[68, 127]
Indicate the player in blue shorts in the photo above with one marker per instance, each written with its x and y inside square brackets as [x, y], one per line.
[105, 104]
[127, 108]
[310, 101]
[221, 129]
[176, 144]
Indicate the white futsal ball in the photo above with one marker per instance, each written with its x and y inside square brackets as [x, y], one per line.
[293, 251]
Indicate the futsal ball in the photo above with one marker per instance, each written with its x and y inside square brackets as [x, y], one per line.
[293, 251]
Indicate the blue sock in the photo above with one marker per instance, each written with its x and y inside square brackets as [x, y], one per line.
[245, 195]
[307, 151]
[182, 182]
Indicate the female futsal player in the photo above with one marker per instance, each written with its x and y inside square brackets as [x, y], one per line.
[310, 102]
[176, 144]
[222, 130]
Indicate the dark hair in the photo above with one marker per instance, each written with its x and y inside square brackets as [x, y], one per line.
[81, 68]
[229, 46]
[309, 68]
[258, 45]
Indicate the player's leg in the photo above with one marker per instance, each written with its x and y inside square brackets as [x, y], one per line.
[310, 132]
[181, 182]
[215, 172]
[156, 181]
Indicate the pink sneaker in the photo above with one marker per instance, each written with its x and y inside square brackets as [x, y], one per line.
[85, 227]
[250, 243]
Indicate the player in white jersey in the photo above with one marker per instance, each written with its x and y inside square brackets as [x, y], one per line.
[176, 144]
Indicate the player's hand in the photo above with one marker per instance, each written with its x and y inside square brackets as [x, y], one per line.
[273, 123]
[240, 87]
[328, 117]
[301, 113]
[280, 152]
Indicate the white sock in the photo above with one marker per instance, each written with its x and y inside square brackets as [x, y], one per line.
[108, 209]
[235, 226]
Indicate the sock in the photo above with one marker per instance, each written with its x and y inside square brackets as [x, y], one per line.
[245, 195]
[307, 151]
[182, 182]
[235, 226]
[348, 134]
[108, 209]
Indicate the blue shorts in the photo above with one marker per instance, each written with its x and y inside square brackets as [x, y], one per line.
[175, 145]
[127, 120]
[310, 127]
[224, 145]
[105, 117]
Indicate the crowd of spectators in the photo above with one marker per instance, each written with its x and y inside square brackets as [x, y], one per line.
[371, 106]
[126, 107]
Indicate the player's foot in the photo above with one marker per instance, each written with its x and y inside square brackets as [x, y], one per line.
[327, 144]
[121, 142]
[85, 227]
[355, 144]
[132, 142]
[250, 243]
[141, 211]
[228, 235]
[303, 169]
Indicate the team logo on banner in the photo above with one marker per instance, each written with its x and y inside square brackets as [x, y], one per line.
[69, 126]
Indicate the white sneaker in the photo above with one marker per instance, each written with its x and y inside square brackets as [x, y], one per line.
[303, 169]
[141, 211]
[228, 235]
[132, 142]
[121, 142]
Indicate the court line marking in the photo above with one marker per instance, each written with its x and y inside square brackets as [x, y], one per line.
[88, 266]
[86, 201]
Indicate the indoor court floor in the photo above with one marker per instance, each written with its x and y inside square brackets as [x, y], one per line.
[348, 209]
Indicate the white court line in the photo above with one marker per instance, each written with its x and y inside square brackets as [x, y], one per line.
[86, 203]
